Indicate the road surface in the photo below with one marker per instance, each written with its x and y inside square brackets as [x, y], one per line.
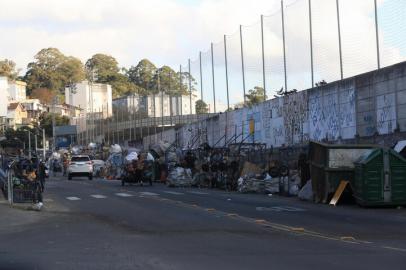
[100, 225]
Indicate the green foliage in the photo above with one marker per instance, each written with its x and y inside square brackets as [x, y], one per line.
[201, 107]
[255, 96]
[103, 68]
[143, 74]
[46, 122]
[53, 70]
[8, 69]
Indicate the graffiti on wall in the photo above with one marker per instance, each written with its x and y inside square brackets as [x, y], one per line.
[295, 113]
[386, 113]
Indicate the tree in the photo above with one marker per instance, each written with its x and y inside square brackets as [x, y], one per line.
[201, 107]
[43, 94]
[104, 69]
[255, 96]
[46, 122]
[8, 69]
[53, 70]
[143, 74]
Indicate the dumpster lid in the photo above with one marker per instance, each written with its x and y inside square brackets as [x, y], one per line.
[367, 156]
[400, 145]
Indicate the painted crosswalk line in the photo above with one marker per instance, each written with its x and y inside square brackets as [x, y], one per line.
[280, 209]
[198, 193]
[124, 195]
[148, 194]
[98, 196]
[73, 198]
[174, 193]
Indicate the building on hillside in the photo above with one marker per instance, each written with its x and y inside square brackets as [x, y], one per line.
[157, 105]
[10, 91]
[17, 91]
[34, 108]
[90, 97]
[65, 110]
[4, 96]
[16, 115]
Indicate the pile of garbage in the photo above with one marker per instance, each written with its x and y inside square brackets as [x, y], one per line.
[179, 177]
[258, 183]
[114, 162]
[254, 180]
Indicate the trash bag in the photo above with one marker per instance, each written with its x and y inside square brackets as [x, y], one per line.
[306, 193]
[115, 148]
[131, 156]
[179, 177]
[294, 190]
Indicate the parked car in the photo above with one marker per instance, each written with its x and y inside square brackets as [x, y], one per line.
[80, 165]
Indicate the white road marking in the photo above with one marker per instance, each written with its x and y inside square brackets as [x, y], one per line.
[174, 193]
[148, 194]
[97, 196]
[73, 198]
[280, 209]
[124, 195]
[198, 193]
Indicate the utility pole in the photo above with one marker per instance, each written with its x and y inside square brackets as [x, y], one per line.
[29, 144]
[36, 144]
[43, 144]
[55, 100]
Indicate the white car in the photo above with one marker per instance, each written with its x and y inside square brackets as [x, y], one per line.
[80, 165]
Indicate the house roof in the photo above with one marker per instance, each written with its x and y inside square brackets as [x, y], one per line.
[14, 105]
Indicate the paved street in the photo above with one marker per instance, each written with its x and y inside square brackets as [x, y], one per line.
[100, 225]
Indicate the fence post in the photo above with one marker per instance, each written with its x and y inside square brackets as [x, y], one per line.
[284, 46]
[201, 76]
[212, 76]
[263, 56]
[226, 65]
[242, 64]
[339, 39]
[311, 41]
[377, 35]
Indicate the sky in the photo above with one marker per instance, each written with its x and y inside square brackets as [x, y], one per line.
[169, 32]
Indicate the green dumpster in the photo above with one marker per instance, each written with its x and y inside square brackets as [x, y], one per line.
[330, 164]
[380, 178]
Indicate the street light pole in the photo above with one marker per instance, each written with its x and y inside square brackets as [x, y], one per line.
[29, 144]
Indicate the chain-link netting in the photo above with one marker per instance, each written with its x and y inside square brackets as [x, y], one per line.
[273, 44]
[357, 22]
[392, 31]
[358, 48]
[207, 80]
[195, 73]
[235, 69]
[325, 41]
[220, 77]
[297, 36]
[252, 56]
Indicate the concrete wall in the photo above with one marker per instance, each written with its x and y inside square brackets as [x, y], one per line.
[362, 108]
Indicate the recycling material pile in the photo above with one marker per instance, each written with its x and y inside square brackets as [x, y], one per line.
[179, 177]
[114, 162]
[257, 183]
[252, 180]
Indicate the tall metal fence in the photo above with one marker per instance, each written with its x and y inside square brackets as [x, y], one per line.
[303, 43]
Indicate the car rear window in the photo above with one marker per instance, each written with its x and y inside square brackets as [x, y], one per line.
[80, 159]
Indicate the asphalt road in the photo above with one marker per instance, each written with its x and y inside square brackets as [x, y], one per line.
[100, 225]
